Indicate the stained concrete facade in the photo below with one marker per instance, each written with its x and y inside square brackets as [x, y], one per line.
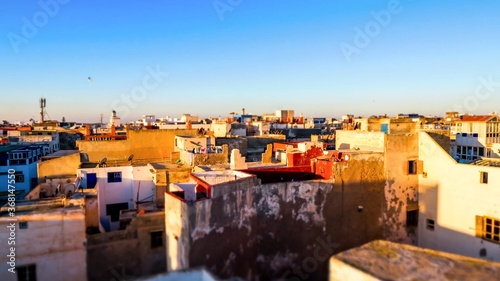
[49, 235]
[271, 231]
[401, 187]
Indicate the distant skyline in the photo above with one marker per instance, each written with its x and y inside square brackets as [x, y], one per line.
[210, 58]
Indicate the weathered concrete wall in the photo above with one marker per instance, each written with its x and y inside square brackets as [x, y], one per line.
[91, 213]
[177, 233]
[68, 140]
[127, 252]
[54, 242]
[233, 143]
[283, 230]
[402, 127]
[401, 188]
[144, 144]
[64, 166]
[96, 150]
[370, 141]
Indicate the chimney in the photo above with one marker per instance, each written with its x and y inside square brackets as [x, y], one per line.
[243, 111]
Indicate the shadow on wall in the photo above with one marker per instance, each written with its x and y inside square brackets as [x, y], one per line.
[434, 235]
[277, 231]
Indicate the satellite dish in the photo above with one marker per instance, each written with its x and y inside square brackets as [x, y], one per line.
[130, 157]
[103, 161]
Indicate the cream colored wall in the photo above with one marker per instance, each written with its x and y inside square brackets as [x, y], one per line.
[54, 242]
[176, 233]
[452, 196]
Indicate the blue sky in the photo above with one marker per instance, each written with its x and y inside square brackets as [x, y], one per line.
[420, 57]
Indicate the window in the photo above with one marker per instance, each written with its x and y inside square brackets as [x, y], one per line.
[115, 177]
[23, 225]
[19, 178]
[26, 273]
[483, 177]
[469, 152]
[491, 229]
[430, 224]
[488, 228]
[113, 210]
[415, 167]
[412, 167]
[156, 239]
[412, 218]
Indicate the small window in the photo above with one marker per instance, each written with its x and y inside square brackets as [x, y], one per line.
[156, 239]
[430, 224]
[483, 177]
[412, 167]
[415, 167]
[491, 230]
[23, 225]
[412, 218]
[19, 178]
[481, 151]
[26, 273]
[464, 134]
[115, 177]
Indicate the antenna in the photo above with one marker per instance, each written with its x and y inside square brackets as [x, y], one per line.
[43, 104]
[102, 163]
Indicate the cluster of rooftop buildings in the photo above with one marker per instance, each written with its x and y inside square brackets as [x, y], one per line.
[271, 197]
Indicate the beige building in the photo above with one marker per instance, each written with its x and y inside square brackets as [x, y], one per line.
[49, 240]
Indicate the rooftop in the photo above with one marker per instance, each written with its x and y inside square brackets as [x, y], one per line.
[385, 260]
[487, 162]
[476, 118]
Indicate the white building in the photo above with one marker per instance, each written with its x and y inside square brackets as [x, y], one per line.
[114, 120]
[459, 204]
[119, 188]
[477, 136]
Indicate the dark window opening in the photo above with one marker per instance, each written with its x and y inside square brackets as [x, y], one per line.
[412, 218]
[113, 210]
[156, 239]
[23, 225]
[412, 167]
[26, 273]
[430, 224]
[483, 177]
[115, 177]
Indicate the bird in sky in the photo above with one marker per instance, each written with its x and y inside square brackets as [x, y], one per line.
[89, 79]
